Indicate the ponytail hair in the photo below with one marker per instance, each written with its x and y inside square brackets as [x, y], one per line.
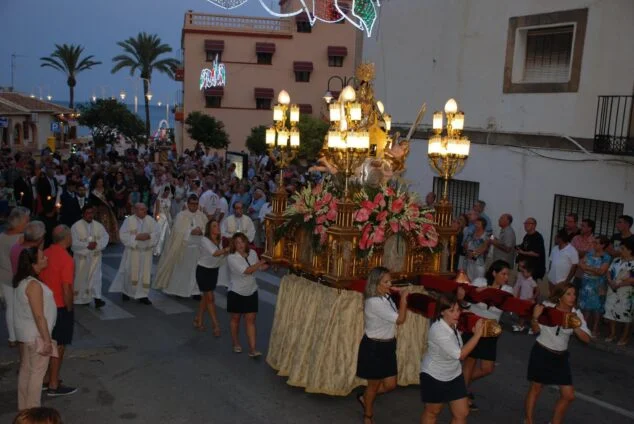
[26, 260]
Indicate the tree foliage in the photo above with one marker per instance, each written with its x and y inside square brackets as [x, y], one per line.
[108, 120]
[67, 59]
[143, 54]
[312, 132]
[207, 130]
[256, 141]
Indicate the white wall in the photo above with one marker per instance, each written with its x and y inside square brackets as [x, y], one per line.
[432, 50]
[524, 184]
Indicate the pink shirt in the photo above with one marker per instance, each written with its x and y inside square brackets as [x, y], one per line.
[14, 256]
[524, 287]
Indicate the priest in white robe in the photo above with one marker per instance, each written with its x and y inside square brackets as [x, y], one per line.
[139, 234]
[237, 223]
[176, 272]
[90, 238]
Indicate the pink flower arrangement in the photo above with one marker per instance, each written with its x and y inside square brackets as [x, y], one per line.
[395, 210]
[317, 207]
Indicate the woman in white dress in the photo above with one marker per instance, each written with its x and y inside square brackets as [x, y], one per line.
[163, 216]
[619, 302]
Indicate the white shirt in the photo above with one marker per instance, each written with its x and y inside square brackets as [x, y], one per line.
[380, 315]
[25, 328]
[481, 309]
[561, 260]
[557, 338]
[209, 202]
[239, 282]
[223, 206]
[207, 258]
[442, 359]
[232, 224]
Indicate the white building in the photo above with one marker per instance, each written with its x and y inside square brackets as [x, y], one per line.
[536, 81]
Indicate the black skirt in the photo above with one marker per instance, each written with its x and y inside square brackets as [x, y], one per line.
[206, 278]
[238, 304]
[376, 359]
[486, 349]
[436, 391]
[548, 367]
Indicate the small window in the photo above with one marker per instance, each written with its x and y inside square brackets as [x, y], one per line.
[25, 130]
[462, 194]
[263, 104]
[265, 58]
[304, 26]
[604, 214]
[335, 61]
[302, 76]
[213, 101]
[548, 54]
[211, 56]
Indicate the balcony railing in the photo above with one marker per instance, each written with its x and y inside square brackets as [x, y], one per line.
[614, 125]
[194, 20]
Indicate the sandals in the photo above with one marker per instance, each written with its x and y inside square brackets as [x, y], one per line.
[198, 325]
[368, 417]
[360, 400]
[255, 354]
[237, 349]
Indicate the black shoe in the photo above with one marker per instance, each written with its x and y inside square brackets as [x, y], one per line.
[196, 297]
[145, 301]
[125, 297]
[99, 303]
[61, 391]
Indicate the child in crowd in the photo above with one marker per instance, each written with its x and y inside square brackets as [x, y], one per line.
[525, 289]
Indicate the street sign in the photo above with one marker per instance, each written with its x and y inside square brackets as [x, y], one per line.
[4, 122]
[55, 127]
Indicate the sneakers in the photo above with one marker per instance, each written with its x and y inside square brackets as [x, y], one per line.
[61, 391]
[518, 328]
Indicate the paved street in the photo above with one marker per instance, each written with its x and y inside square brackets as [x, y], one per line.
[146, 364]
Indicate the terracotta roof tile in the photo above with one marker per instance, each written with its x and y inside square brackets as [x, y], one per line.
[33, 104]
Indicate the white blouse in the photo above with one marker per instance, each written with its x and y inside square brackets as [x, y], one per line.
[241, 283]
[25, 328]
[481, 309]
[442, 359]
[380, 315]
[207, 259]
[557, 338]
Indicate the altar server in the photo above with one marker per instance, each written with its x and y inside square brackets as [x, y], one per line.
[441, 379]
[139, 234]
[376, 361]
[90, 238]
[549, 362]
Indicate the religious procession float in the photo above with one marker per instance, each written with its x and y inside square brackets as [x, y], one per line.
[363, 215]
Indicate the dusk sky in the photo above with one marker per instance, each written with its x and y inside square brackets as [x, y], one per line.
[31, 28]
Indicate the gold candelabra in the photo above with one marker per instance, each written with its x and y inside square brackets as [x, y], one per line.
[286, 141]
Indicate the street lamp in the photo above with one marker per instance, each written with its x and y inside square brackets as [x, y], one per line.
[149, 96]
[159, 103]
[49, 97]
[122, 95]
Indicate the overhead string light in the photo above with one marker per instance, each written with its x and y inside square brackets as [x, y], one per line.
[364, 12]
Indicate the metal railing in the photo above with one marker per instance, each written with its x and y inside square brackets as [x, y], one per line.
[194, 20]
[614, 125]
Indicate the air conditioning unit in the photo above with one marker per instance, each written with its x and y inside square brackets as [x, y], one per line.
[34, 117]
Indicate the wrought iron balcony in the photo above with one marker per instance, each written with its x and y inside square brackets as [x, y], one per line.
[614, 125]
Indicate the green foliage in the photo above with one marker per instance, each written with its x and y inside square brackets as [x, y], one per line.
[312, 132]
[108, 119]
[207, 130]
[67, 59]
[256, 141]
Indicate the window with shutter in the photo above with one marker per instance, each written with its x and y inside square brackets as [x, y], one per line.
[461, 193]
[548, 54]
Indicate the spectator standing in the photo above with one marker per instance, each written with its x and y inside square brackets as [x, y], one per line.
[34, 317]
[532, 249]
[594, 267]
[504, 244]
[619, 302]
[571, 225]
[376, 361]
[70, 211]
[477, 246]
[563, 260]
[525, 289]
[623, 226]
[58, 276]
[583, 242]
[23, 190]
[16, 223]
[259, 199]
[479, 207]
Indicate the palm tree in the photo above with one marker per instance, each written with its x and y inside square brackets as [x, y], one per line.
[142, 54]
[66, 58]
